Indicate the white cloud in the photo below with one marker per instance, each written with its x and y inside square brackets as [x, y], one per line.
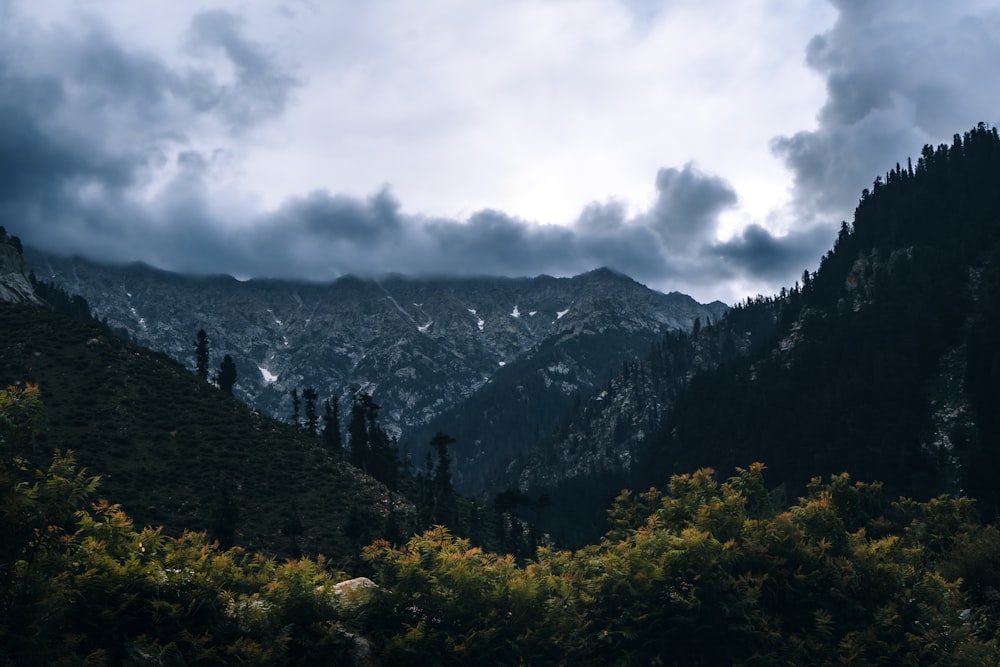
[707, 147]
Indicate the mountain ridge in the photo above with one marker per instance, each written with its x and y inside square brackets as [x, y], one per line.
[881, 363]
[420, 346]
[180, 453]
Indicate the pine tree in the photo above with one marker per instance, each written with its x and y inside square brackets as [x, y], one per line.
[225, 517]
[331, 424]
[357, 431]
[201, 354]
[309, 395]
[226, 377]
[295, 407]
[443, 492]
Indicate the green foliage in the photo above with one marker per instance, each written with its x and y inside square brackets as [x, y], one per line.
[699, 573]
[852, 377]
[58, 299]
[166, 443]
[21, 415]
[442, 493]
[296, 419]
[79, 584]
[96, 589]
[707, 573]
[442, 601]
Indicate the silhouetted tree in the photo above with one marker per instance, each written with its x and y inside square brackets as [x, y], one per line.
[331, 424]
[292, 528]
[226, 377]
[357, 430]
[295, 407]
[309, 395]
[444, 495]
[201, 354]
[225, 517]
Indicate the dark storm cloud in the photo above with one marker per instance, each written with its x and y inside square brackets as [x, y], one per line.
[756, 252]
[44, 166]
[341, 219]
[113, 81]
[688, 204]
[899, 74]
[70, 189]
[88, 123]
[85, 122]
[323, 235]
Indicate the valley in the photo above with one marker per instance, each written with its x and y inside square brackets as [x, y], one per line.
[819, 461]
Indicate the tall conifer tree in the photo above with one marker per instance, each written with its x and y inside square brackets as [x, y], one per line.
[226, 377]
[201, 354]
[295, 407]
[331, 424]
[309, 395]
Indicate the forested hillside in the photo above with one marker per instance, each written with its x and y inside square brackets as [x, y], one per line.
[701, 573]
[182, 454]
[885, 360]
[882, 362]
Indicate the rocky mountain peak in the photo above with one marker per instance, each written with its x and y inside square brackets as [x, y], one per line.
[419, 346]
[15, 287]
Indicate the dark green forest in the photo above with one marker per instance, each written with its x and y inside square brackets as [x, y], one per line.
[881, 362]
[904, 302]
[868, 389]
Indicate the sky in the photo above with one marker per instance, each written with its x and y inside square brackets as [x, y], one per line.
[711, 147]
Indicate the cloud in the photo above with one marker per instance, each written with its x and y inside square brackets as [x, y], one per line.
[759, 253]
[324, 235]
[144, 187]
[898, 74]
[260, 89]
[96, 137]
[688, 205]
[119, 151]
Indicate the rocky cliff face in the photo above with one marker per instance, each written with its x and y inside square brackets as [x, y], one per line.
[421, 347]
[14, 284]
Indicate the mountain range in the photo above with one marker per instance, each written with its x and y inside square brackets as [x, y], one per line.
[882, 364]
[181, 454]
[430, 351]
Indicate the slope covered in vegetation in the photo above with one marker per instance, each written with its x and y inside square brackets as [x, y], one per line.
[701, 573]
[883, 362]
[177, 452]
